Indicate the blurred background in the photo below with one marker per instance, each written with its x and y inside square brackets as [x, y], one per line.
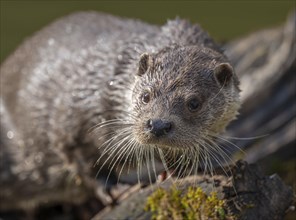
[225, 21]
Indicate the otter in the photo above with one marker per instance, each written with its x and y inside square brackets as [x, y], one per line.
[144, 91]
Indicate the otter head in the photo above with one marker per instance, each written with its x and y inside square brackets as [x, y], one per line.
[182, 97]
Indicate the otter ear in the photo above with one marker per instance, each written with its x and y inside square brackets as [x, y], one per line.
[223, 73]
[144, 63]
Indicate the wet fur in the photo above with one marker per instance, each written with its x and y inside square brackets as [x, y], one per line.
[80, 73]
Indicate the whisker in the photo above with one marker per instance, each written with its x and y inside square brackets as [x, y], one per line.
[153, 162]
[222, 167]
[147, 154]
[113, 123]
[246, 138]
[161, 155]
[139, 156]
[232, 144]
[108, 149]
[209, 150]
[128, 155]
[129, 147]
[119, 155]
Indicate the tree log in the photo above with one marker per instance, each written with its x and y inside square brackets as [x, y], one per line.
[247, 192]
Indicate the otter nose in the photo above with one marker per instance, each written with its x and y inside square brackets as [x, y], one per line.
[159, 127]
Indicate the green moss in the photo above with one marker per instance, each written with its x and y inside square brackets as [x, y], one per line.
[193, 204]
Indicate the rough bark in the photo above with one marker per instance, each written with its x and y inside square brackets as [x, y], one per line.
[249, 194]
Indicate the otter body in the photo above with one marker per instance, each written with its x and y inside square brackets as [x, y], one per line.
[145, 90]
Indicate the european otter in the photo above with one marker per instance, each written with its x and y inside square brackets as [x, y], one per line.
[146, 90]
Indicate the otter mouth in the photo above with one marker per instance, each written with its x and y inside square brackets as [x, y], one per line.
[157, 142]
[164, 142]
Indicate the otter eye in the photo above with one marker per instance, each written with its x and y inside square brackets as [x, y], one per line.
[146, 97]
[193, 104]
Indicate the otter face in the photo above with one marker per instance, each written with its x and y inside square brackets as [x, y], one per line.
[182, 97]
